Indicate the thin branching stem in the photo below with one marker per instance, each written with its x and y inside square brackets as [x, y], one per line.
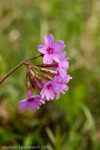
[22, 63]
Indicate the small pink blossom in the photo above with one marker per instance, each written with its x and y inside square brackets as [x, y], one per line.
[50, 49]
[49, 89]
[64, 87]
[32, 102]
[63, 65]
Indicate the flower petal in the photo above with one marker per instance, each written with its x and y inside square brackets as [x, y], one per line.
[42, 49]
[43, 92]
[36, 96]
[57, 95]
[37, 106]
[24, 106]
[48, 95]
[32, 106]
[42, 102]
[50, 40]
[50, 59]
[22, 101]
[45, 58]
[57, 87]
[62, 72]
[52, 95]
[57, 57]
[59, 46]
[63, 65]
[63, 54]
[46, 40]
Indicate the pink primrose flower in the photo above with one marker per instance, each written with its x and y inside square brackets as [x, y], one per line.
[49, 89]
[64, 87]
[63, 65]
[32, 102]
[50, 49]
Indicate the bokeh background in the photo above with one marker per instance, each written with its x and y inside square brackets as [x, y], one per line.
[73, 121]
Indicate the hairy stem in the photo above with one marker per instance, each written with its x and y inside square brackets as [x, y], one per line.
[22, 63]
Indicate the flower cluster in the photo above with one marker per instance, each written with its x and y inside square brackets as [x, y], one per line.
[49, 87]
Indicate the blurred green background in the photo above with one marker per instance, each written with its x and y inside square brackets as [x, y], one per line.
[73, 121]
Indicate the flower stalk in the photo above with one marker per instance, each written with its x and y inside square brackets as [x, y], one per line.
[19, 65]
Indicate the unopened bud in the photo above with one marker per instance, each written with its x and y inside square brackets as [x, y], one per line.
[43, 65]
[55, 65]
[38, 85]
[28, 85]
[40, 80]
[30, 73]
[48, 71]
[32, 82]
[47, 77]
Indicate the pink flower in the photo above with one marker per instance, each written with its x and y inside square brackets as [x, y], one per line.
[63, 65]
[32, 102]
[49, 89]
[64, 87]
[50, 49]
[67, 79]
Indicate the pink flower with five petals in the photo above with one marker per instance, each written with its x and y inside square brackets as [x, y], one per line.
[50, 49]
[50, 88]
[32, 102]
[63, 65]
[64, 87]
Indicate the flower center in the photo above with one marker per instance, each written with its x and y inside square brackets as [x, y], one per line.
[50, 50]
[49, 86]
[30, 99]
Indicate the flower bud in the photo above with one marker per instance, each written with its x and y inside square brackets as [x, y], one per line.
[32, 83]
[48, 71]
[43, 65]
[47, 77]
[37, 84]
[55, 65]
[28, 85]
[40, 80]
